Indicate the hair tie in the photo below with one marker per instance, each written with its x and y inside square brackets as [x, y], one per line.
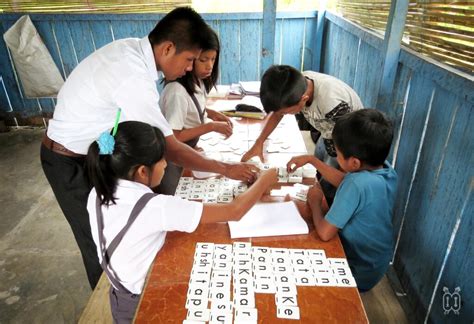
[106, 140]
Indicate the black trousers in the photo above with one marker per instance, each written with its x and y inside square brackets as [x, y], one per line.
[67, 178]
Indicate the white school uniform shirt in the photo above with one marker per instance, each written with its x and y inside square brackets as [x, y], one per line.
[329, 92]
[178, 107]
[139, 246]
[121, 74]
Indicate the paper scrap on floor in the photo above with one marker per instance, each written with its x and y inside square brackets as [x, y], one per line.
[269, 219]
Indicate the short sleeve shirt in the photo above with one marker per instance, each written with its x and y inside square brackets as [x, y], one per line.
[362, 210]
[138, 248]
[122, 74]
[332, 98]
[179, 108]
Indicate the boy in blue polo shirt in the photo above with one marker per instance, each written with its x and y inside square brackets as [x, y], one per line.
[363, 205]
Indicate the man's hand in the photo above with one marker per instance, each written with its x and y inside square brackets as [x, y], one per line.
[297, 162]
[242, 171]
[255, 150]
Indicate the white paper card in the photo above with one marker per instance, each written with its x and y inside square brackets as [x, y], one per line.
[269, 220]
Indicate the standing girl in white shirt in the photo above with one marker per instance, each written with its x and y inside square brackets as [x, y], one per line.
[129, 222]
[183, 102]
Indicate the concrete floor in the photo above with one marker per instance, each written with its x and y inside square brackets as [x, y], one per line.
[42, 277]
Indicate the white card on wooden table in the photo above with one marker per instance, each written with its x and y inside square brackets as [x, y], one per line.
[221, 306]
[286, 289]
[246, 314]
[288, 312]
[346, 281]
[198, 315]
[197, 302]
[286, 300]
[218, 317]
[269, 219]
[244, 301]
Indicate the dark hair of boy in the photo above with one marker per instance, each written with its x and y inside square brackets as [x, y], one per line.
[136, 144]
[281, 87]
[189, 80]
[365, 134]
[182, 26]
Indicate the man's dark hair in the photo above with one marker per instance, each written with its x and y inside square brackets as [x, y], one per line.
[182, 26]
[189, 81]
[365, 134]
[282, 86]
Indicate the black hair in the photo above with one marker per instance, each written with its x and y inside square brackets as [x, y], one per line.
[136, 144]
[365, 134]
[182, 26]
[189, 80]
[282, 86]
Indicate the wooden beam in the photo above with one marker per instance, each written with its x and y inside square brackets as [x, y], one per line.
[391, 49]
[318, 49]
[268, 34]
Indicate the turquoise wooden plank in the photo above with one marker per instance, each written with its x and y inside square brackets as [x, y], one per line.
[394, 111]
[327, 65]
[318, 42]
[310, 40]
[412, 127]
[4, 100]
[250, 49]
[267, 54]
[367, 36]
[366, 83]
[459, 83]
[336, 42]
[458, 272]
[230, 60]
[46, 32]
[391, 48]
[65, 45]
[292, 42]
[348, 58]
[81, 38]
[130, 29]
[439, 186]
[158, 16]
[214, 24]
[24, 107]
[278, 42]
[101, 33]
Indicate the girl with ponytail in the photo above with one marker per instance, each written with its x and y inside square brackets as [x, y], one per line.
[129, 221]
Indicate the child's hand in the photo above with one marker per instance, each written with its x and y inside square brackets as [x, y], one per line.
[315, 194]
[255, 150]
[269, 177]
[223, 118]
[297, 162]
[222, 127]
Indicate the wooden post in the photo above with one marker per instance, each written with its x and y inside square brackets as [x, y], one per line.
[318, 48]
[391, 49]
[268, 35]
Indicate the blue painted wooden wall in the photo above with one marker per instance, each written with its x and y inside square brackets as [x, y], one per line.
[71, 38]
[433, 152]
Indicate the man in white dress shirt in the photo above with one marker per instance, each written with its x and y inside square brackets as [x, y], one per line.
[122, 74]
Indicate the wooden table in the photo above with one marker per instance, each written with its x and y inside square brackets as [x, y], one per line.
[164, 296]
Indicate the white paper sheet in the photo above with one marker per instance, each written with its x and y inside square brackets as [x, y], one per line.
[269, 219]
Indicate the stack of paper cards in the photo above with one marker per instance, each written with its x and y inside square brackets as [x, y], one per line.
[297, 191]
[221, 190]
[225, 278]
